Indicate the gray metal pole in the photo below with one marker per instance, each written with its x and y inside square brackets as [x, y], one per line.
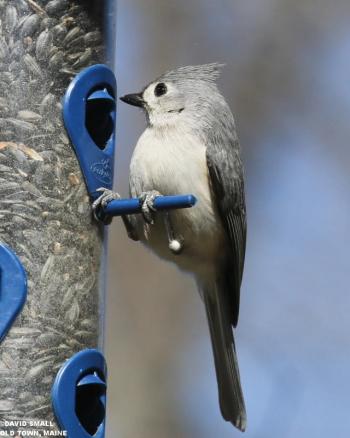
[44, 208]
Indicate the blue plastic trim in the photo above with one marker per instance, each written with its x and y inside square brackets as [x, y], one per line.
[92, 379]
[101, 94]
[78, 370]
[129, 206]
[13, 289]
[96, 164]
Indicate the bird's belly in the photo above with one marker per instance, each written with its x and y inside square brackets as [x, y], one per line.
[171, 169]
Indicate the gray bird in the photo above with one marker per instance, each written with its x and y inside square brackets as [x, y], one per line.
[190, 145]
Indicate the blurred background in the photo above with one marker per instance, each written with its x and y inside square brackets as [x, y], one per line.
[287, 81]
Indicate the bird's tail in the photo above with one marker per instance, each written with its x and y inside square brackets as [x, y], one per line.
[227, 372]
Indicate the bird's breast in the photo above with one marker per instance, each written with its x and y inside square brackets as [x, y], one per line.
[171, 163]
[176, 164]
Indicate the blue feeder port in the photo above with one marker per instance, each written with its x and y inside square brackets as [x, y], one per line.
[13, 289]
[79, 395]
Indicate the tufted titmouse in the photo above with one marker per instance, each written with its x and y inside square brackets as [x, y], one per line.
[190, 145]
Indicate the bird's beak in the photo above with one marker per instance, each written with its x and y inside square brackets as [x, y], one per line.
[134, 99]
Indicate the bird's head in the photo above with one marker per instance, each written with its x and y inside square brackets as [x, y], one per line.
[178, 95]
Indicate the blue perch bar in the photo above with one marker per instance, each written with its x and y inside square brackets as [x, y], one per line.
[120, 207]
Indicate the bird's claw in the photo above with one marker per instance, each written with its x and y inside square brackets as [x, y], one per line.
[105, 197]
[147, 207]
[102, 201]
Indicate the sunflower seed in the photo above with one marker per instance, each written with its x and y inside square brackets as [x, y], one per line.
[7, 77]
[47, 339]
[24, 331]
[28, 116]
[14, 66]
[17, 50]
[56, 6]
[10, 18]
[35, 7]
[47, 23]
[43, 45]
[71, 35]
[4, 50]
[74, 56]
[30, 25]
[6, 406]
[92, 37]
[53, 50]
[56, 60]
[21, 125]
[37, 371]
[88, 324]
[32, 65]
[74, 43]
[73, 312]
[84, 58]
[47, 103]
[22, 5]
[59, 32]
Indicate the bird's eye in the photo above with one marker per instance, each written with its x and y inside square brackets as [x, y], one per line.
[160, 89]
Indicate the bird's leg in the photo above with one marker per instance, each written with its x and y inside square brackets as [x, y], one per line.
[148, 210]
[102, 201]
[176, 243]
[129, 221]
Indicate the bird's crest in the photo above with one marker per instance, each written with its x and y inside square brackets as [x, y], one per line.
[203, 72]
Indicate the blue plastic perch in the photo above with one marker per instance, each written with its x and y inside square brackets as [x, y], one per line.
[121, 207]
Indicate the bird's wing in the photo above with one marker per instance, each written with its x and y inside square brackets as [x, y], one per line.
[227, 183]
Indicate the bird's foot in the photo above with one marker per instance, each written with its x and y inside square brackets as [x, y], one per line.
[147, 208]
[102, 201]
[105, 197]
